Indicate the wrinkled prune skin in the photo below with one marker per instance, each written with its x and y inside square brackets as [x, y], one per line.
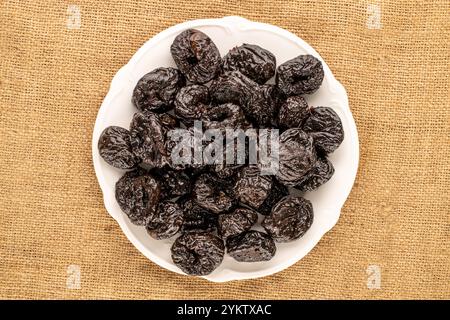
[252, 61]
[296, 156]
[232, 87]
[230, 167]
[225, 116]
[236, 222]
[303, 74]
[325, 126]
[273, 95]
[257, 102]
[172, 146]
[148, 139]
[166, 221]
[225, 171]
[156, 90]
[196, 218]
[114, 146]
[198, 253]
[260, 107]
[191, 103]
[252, 188]
[168, 121]
[214, 194]
[293, 112]
[322, 171]
[138, 194]
[251, 246]
[173, 183]
[196, 56]
[289, 219]
[277, 192]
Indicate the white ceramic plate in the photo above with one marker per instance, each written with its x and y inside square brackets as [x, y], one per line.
[228, 32]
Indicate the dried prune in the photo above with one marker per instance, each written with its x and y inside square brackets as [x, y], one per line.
[168, 121]
[277, 192]
[198, 253]
[196, 218]
[191, 102]
[290, 219]
[251, 246]
[114, 147]
[296, 156]
[166, 221]
[214, 194]
[251, 60]
[173, 183]
[137, 194]
[252, 188]
[156, 90]
[232, 87]
[303, 74]
[225, 171]
[148, 139]
[257, 102]
[181, 150]
[273, 95]
[236, 222]
[225, 116]
[325, 126]
[293, 112]
[322, 171]
[234, 160]
[196, 56]
[260, 108]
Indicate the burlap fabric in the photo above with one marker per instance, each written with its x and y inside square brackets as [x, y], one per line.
[392, 240]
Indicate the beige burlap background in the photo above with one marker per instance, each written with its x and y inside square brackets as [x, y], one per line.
[393, 58]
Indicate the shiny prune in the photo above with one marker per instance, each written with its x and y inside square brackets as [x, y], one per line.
[114, 146]
[303, 74]
[148, 139]
[322, 171]
[252, 188]
[257, 102]
[191, 102]
[277, 192]
[168, 121]
[166, 221]
[251, 60]
[180, 150]
[296, 156]
[232, 87]
[174, 183]
[198, 253]
[293, 112]
[226, 171]
[196, 56]
[236, 222]
[196, 218]
[273, 95]
[138, 194]
[156, 90]
[289, 219]
[233, 161]
[260, 107]
[325, 126]
[214, 194]
[251, 246]
[225, 116]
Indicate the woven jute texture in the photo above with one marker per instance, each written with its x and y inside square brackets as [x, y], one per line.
[57, 61]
